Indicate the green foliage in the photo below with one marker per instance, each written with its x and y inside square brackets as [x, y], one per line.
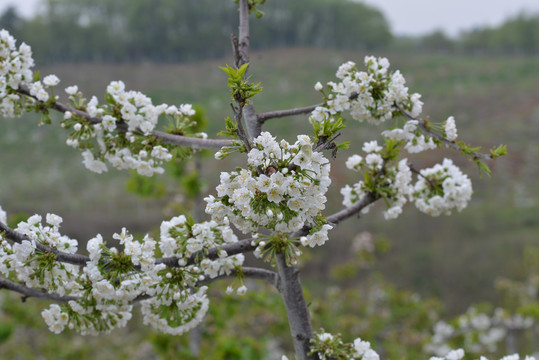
[239, 85]
[144, 186]
[499, 151]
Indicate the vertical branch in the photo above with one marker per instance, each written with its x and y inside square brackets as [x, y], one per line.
[254, 127]
[244, 37]
[297, 312]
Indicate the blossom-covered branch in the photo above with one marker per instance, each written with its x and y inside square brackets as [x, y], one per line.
[172, 139]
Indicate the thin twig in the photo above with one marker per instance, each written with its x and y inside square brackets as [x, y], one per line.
[238, 115]
[415, 171]
[252, 124]
[244, 37]
[262, 117]
[268, 276]
[344, 214]
[327, 145]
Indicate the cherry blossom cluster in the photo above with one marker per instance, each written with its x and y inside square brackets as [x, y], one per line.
[330, 346]
[414, 140]
[32, 266]
[442, 188]
[479, 331]
[436, 191]
[182, 239]
[282, 189]
[15, 70]
[375, 95]
[103, 290]
[396, 179]
[122, 136]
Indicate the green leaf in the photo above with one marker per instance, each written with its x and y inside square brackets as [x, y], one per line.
[499, 151]
[483, 168]
[228, 70]
[109, 99]
[242, 70]
[259, 14]
[345, 145]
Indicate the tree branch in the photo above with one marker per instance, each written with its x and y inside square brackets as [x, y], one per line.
[268, 276]
[36, 293]
[244, 37]
[238, 115]
[299, 319]
[195, 143]
[284, 113]
[344, 214]
[242, 57]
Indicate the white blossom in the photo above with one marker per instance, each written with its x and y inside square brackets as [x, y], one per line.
[450, 129]
[51, 80]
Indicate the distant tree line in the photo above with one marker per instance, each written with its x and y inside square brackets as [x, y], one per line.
[183, 30]
[517, 35]
[187, 30]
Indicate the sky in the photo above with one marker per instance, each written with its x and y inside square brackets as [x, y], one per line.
[412, 17]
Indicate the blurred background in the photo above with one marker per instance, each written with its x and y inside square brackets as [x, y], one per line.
[475, 60]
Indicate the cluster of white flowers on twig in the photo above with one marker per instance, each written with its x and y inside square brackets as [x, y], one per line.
[437, 190]
[122, 136]
[375, 95]
[282, 190]
[412, 137]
